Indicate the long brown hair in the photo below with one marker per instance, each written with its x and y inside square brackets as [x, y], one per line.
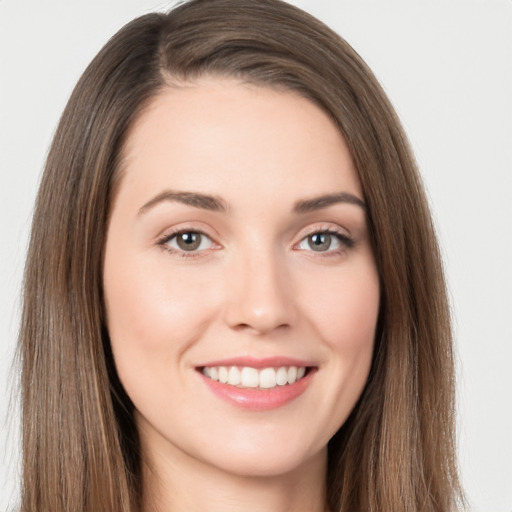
[80, 446]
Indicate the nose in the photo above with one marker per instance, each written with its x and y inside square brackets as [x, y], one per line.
[259, 295]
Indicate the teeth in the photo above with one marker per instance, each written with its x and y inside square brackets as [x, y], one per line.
[292, 374]
[248, 377]
[234, 377]
[268, 378]
[282, 376]
[223, 374]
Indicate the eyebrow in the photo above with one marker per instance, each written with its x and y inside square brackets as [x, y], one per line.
[217, 204]
[324, 201]
[204, 201]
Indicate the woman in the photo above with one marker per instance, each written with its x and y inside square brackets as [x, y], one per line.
[233, 294]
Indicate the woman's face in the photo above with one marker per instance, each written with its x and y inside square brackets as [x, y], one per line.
[240, 285]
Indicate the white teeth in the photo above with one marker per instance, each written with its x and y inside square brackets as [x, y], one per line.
[268, 378]
[292, 374]
[234, 377]
[223, 374]
[282, 376]
[248, 377]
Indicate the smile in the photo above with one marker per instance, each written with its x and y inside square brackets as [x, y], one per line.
[258, 384]
[249, 377]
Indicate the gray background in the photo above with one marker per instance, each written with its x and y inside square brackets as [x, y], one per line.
[447, 67]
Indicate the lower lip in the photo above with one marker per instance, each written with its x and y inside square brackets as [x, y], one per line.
[259, 399]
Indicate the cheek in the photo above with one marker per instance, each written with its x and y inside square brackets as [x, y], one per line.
[345, 312]
[341, 306]
[151, 316]
[344, 316]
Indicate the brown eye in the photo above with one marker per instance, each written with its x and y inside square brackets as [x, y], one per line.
[329, 242]
[320, 242]
[188, 241]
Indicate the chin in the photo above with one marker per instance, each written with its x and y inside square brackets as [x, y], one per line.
[262, 457]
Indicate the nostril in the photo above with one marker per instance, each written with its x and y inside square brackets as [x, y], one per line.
[259, 328]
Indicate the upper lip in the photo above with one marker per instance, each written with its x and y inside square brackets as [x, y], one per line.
[259, 362]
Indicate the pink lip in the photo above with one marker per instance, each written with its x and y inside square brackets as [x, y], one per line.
[259, 399]
[256, 362]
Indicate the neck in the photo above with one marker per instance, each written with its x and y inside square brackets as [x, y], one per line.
[182, 484]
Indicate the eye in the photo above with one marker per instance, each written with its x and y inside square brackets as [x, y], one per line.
[188, 241]
[325, 241]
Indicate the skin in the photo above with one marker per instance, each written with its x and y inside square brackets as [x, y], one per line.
[254, 287]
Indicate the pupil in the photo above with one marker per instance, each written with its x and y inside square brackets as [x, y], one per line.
[320, 241]
[189, 241]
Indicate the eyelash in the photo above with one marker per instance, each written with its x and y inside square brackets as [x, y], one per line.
[345, 242]
[164, 241]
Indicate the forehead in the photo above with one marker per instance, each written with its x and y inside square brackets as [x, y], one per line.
[221, 136]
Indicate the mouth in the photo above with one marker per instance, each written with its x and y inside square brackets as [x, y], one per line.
[258, 384]
[248, 377]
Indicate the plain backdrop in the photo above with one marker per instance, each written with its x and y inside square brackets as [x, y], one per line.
[447, 67]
